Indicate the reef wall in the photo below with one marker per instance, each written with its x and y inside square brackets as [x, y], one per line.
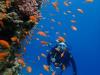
[17, 18]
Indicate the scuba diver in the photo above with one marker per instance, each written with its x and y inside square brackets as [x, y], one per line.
[60, 58]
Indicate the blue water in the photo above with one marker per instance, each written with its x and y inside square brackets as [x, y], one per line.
[84, 42]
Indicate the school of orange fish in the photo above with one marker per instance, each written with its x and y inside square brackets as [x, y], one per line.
[45, 33]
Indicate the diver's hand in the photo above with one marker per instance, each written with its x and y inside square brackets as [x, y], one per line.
[57, 49]
[62, 55]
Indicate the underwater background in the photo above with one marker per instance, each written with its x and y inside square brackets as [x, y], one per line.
[84, 43]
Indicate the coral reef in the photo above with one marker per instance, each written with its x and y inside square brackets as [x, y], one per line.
[17, 18]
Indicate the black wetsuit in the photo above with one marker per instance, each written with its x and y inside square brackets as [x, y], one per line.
[65, 60]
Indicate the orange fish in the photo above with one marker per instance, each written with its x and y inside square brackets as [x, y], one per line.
[61, 39]
[26, 32]
[18, 55]
[3, 55]
[66, 4]
[21, 61]
[43, 55]
[33, 18]
[14, 38]
[29, 69]
[80, 10]
[44, 42]
[46, 68]
[4, 43]
[55, 5]
[89, 1]
[74, 28]
[42, 33]
[73, 21]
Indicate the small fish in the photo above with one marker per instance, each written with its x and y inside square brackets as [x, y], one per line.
[46, 68]
[37, 39]
[73, 15]
[29, 69]
[61, 39]
[69, 2]
[59, 23]
[73, 21]
[80, 10]
[3, 55]
[26, 33]
[46, 32]
[53, 20]
[57, 33]
[21, 61]
[63, 67]
[38, 58]
[18, 55]
[33, 18]
[43, 55]
[68, 11]
[74, 28]
[55, 5]
[42, 33]
[14, 38]
[89, 1]
[44, 42]
[66, 4]
[4, 43]
[65, 13]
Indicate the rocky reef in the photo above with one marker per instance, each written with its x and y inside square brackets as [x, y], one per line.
[17, 18]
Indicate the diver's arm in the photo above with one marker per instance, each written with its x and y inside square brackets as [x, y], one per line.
[73, 65]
